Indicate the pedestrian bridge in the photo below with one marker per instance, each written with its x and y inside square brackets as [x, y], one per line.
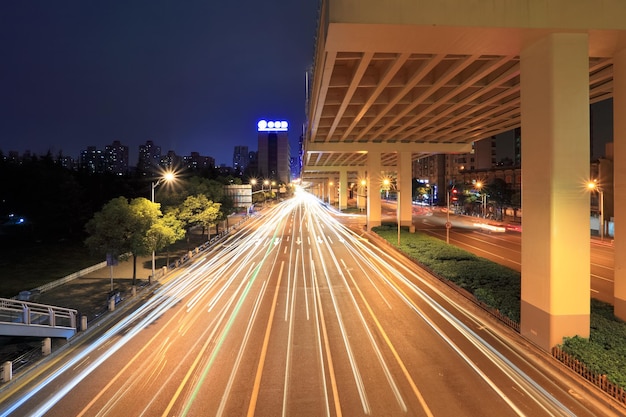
[22, 318]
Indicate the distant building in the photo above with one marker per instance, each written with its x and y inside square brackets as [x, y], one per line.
[241, 158]
[171, 161]
[274, 154]
[442, 170]
[67, 162]
[92, 160]
[116, 158]
[241, 195]
[149, 158]
[195, 161]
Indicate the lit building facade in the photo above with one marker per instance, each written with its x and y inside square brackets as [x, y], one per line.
[273, 151]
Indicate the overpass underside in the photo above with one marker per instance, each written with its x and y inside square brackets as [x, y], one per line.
[398, 80]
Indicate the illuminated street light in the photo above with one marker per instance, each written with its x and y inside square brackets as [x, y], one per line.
[167, 177]
[483, 197]
[594, 186]
[387, 184]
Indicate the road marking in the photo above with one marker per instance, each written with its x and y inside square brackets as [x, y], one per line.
[259, 372]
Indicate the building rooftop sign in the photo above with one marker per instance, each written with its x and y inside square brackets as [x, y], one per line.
[272, 126]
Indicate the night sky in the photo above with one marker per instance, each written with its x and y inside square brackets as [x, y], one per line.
[192, 75]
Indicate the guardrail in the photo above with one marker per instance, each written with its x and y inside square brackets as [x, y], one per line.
[189, 255]
[45, 320]
[596, 379]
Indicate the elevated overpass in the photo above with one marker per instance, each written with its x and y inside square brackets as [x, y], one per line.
[398, 80]
[22, 318]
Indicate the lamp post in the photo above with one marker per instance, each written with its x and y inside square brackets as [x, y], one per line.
[265, 182]
[594, 186]
[387, 184]
[483, 198]
[272, 189]
[169, 176]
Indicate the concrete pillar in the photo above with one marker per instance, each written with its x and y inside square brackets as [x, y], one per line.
[331, 185]
[112, 304]
[619, 181]
[373, 190]
[555, 299]
[83, 323]
[46, 346]
[405, 185]
[360, 198]
[343, 189]
[7, 371]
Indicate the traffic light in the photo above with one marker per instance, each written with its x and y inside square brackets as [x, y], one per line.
[454, 192]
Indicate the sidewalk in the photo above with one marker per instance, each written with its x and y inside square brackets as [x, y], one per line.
[89, 294]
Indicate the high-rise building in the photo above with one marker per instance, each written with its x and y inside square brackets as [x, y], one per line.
[149, 158]
[195, 161]
[116, 158]
[241, 157]
[92, 160]
[274, 154]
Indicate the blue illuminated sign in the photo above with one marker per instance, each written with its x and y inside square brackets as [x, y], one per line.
[272, 126]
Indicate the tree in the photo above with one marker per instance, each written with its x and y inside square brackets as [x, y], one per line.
[166, 231]
[500, 194]
[198, 210]
[122, 227]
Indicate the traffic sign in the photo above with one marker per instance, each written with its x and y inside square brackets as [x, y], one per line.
[448, 225]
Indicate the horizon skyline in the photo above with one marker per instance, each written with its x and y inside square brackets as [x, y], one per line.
[192, 76]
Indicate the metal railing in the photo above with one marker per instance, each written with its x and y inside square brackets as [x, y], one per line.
[27, 313]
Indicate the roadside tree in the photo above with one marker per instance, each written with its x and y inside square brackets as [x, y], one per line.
[121, 228]
[166, 231]
[197, 211]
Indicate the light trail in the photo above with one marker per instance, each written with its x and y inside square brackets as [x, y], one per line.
[523, 381]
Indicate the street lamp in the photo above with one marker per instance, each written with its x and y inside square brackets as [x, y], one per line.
[169, 176]
[272, 190]
[594, 186]
[448, 224]
[483, 197]
[265, 182]
[387, 184]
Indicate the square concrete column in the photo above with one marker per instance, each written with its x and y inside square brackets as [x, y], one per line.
[619, 180]
[343, 189]
[330, 187]
[373, 189]
[405, 184]
[361, 190]
[555, 167]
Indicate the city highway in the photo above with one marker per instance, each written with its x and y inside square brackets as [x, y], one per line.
[505, 248]
[295, 315]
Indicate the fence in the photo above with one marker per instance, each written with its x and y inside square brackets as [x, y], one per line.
[598, 380]
[189, 255]
[64, 280]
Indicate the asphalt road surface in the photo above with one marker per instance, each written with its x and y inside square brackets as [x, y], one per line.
[295, 315]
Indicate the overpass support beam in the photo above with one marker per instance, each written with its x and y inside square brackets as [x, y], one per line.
[343, 189]
[330, 187]
[619, 180]
[405, 185]
[361, 193]
[555, 295]
[373, 190]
